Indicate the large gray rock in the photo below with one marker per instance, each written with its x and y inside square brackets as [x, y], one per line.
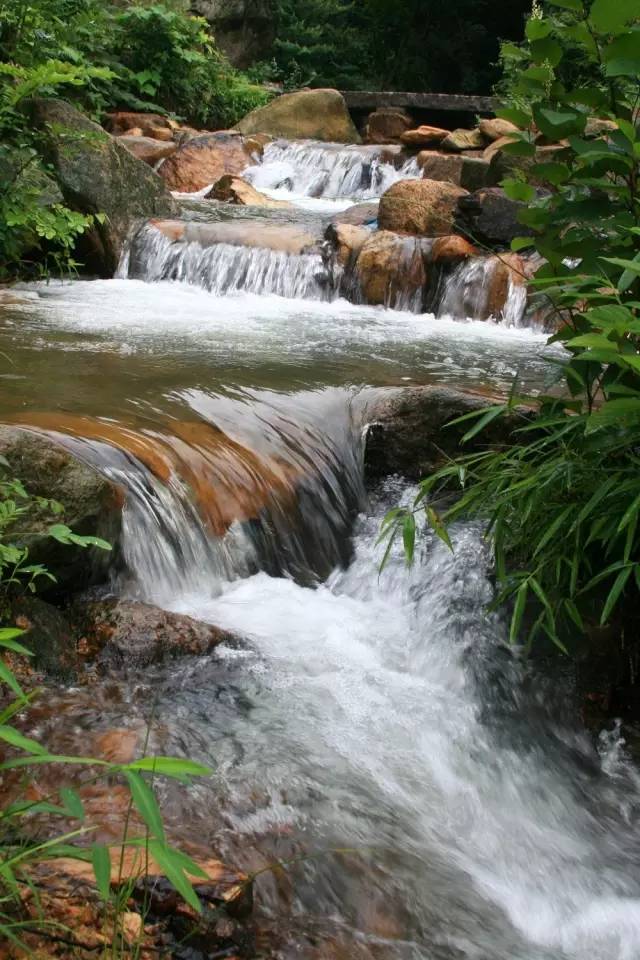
[304, 115]
[489, 217]
[408, 433]
[97, 174]
[244, 29]
[92, 507]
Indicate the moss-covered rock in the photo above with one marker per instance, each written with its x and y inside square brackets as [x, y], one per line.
[98, 175]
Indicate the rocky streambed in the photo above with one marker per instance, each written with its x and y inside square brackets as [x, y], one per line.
[274, 367]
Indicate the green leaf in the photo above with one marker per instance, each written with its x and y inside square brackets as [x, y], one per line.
[409, 537]
[518, 190]
[518, 611]
[610, 16]
[26, 744]
[614, 412]
[145, 803]
[568, 4]
[536, 29]
[173, 870]
[546, 50]
[558, 124]
[614, 594]
[102, 870]
[439, 527]
[72, 803]
[622, 56]
[487, 417]
[170, 767]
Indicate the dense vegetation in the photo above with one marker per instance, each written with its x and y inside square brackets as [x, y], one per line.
[407, 45]
[102, 56]
[563, 504]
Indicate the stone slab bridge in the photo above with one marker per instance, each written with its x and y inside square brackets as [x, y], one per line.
[425, 107]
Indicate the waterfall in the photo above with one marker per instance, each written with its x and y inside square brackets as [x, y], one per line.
[327, 170]
[224, 268]
[472, 289]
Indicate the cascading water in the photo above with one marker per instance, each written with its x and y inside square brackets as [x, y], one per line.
[467, 293]
[308, 169]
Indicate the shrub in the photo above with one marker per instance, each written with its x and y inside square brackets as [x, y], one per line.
[562, 505]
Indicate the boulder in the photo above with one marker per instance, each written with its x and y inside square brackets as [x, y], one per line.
[305, 114]
[503, 165]
[424, 207]
[230, 189]
[453, 249]
[120, 121]
[390, 269]
[495, 128]
[131, 633]
[463, 171]
[347, 240]
[490, 217]
[386, 125]
[244, 29]
[97, 174]
[460, 139]
[496, 146]
[49, 636]
[204, 159]
[147, 149]
[505, 270]
[407, 435]
[359, 214]
[92, 507]
[424, 136]
[599, 127]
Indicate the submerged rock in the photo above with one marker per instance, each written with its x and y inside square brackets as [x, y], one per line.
[347, 240]
[425, 207]
[92, 507]
[204, 159]
[131, 633]
[98, 175]
[304, 115]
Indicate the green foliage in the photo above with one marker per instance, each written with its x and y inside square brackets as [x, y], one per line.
[563, 502]
[406, 45]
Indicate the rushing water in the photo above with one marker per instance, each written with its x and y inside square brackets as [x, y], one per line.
[437, 801]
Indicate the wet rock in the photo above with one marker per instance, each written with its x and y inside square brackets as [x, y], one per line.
[407, 435]
[452, 249]
[147, 149]
[386, 125]
[124, 633]
[121, 121]
[282, 237]
[495, 128]
[92, 507]
[424, 207]
[390, 269]
[424, 136]
[230, 189]
[204, 159]
[306, 114]
[490, 217]
[496, 146]
[460, 139]
[459, 169]
[97, 174]
[49, 635]
[347, 240]
[359, 214]
[504, 271]
[503, 165]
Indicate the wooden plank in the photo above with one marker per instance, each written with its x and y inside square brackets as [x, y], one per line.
[463, 103]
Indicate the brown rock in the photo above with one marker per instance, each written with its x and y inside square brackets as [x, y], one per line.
[116, 746]
[128, 632]
[390, 269]
[496, 127]
[147, 149]
[386, 126]
[460, 169]
[599, 127]
[503, 271]
[358, 214]
[496, 146]
[230, 189]
[204, 159]
[121, 121]
[424, 135]
[461, 139]
[305, 114]
[134, 132]
[347, 240]
[452, 249]
[424, 207]
[161, 133]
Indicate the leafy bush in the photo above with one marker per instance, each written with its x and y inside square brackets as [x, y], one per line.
[563, 504]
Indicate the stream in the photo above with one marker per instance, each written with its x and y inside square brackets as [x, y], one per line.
[437, 800]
